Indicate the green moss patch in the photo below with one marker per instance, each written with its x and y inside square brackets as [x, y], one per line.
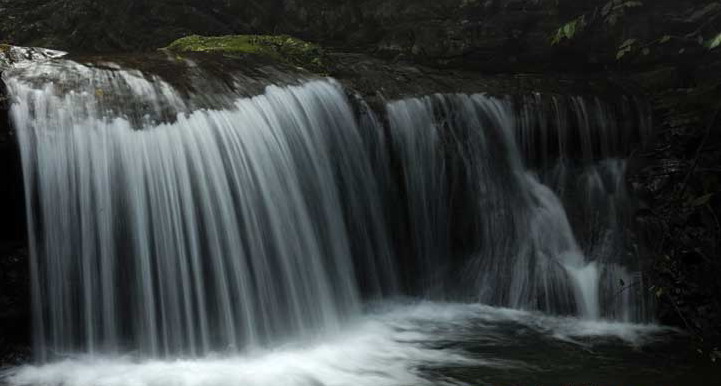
[283, 48]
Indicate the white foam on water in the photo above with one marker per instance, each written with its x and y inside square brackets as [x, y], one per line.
[373, 352]
[493, 323]
[586, 280]
[385, 348]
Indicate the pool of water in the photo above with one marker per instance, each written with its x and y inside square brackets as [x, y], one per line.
[415, 345]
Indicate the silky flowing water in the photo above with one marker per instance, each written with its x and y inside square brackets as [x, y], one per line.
[299, 237]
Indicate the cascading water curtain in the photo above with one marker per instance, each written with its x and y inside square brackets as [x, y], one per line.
[217, 231]
[524, 198]
[170, 230]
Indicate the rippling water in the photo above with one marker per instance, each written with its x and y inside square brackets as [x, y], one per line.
[418, 344]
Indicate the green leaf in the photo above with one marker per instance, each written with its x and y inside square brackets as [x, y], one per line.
[703, 200]
[633, 4]
[702, 13]
[666, 39]
[607, 8]
[625, 48]
[715, 42]
[556, 38]
[569, 30]
[612, 20]
[646, 51]
[659, 292]
[623, 51]
[628, 43]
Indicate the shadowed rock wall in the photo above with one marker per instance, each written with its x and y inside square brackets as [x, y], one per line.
[496, 35]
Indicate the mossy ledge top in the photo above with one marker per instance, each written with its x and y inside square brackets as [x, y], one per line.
[283, 48]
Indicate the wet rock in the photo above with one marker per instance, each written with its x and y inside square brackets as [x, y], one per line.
[676, 175]
[18, 56]
[15, 319]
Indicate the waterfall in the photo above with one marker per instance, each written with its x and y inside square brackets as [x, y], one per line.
[499, 174]
[170, 229]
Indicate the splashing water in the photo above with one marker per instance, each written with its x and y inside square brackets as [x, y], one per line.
[399, 345]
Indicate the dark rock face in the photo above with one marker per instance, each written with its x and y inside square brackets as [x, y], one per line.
[12, 207]
[11, 192]
[488, 34]
[464, 33]
[678, 178]
[379, 80]
[12, 226]
[14, 278]
[15, 319]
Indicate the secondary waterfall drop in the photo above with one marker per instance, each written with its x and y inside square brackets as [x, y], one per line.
[170, 229]
[467, 176]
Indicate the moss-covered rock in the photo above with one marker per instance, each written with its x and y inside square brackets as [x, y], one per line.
[283, 48]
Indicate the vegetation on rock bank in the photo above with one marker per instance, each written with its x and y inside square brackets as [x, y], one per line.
[678, 179]
[283, 48]
[687, 30]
